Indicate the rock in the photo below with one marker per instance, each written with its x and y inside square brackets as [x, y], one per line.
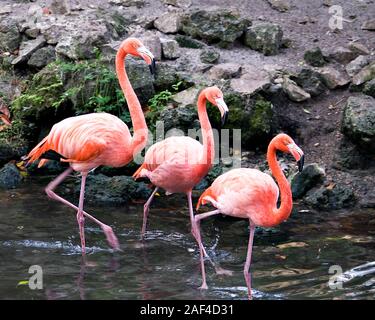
[41, 57]
[186, 97]
[10, 177]
[10, 150]
[129, 3]
[328, 198]
[209, 56]
[315, 57]
[10, 38]
[181, 117]
[366, 74]
[333, 78]
[369, 25]
[58, 6]
[358, 121]
[167, 75]
[115, 190]
[251, 81]
[369, 88]
[294, 92]
[279, 5]
[357, 64]
[169, 22]
[219, 26]
[28, 48]
[32, 32]
[264, 37]
[187, 42]
[170, 49]
[224, 71]
[358, 48]
[141, 79]
[311, 81]
[311, 176]
[153, 43]
[342, 55]
[178, 3]
[5, 10]
[81, 44]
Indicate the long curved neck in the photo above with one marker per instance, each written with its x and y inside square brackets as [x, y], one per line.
[205, 163]
[139, 139]
[282, 213]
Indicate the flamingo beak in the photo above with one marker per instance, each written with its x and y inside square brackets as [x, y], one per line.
[298, 155]
[223, 109]
[5, 119]
[148, 57]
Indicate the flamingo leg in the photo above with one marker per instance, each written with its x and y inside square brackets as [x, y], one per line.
[197, 219]
[111, 237]
[80, 217]
[146, 209]
[248, 259]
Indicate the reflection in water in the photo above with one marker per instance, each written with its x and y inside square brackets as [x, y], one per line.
[290, 262]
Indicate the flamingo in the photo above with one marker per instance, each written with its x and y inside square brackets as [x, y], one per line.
[251, 194]
[95, 139]
[4, 115]
[177, 164]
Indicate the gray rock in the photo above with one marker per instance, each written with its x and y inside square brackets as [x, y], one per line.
[334, 198]
[366, 74]
[42, 57]
[221, 26]
[170, 48]
[279, 5]
[115, 190]
[357, 64]
[58, 6]
[251, 81]
[187, 42]
[311, 176]
[358, 48]
[224, 71]
[10, 37]
[264, 37]
[311, 81]
[28, 48]
[209, 56]
[342, 55]
[32, 32]
[182, 117]
[10, 177]
[315, 57]
[369, 88]
[5, 9]
[186, 97]
[369, 25]
[167, 75]
[81, 44]
[169, 22]
[11, 150]
[129, 3]
[294, 92]
[333, 78]
[358, 121]
[178, 3]
[153, 43]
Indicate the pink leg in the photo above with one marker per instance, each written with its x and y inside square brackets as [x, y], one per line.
[146, 209]
[197, 219]
[248, 259]
[111, 237]
[80, 217]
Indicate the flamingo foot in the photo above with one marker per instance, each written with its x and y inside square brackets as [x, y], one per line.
[111, 238]
[203, 286]
[223, 272]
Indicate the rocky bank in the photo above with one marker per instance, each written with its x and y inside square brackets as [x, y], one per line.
[280, 64]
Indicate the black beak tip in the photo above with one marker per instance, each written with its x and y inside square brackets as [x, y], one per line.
[152, 67]
[300, 163]
[224, 118]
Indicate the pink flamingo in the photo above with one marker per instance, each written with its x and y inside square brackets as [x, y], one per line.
[95, 139]
[177, 164]
[252, 194]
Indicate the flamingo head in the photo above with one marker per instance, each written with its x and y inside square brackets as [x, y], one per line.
[4, 114]
[216, 97]
[136, 48]
[286, 144]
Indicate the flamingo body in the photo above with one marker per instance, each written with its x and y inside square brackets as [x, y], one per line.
[244, 193]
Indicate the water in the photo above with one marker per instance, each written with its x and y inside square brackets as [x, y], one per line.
[291, 261]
